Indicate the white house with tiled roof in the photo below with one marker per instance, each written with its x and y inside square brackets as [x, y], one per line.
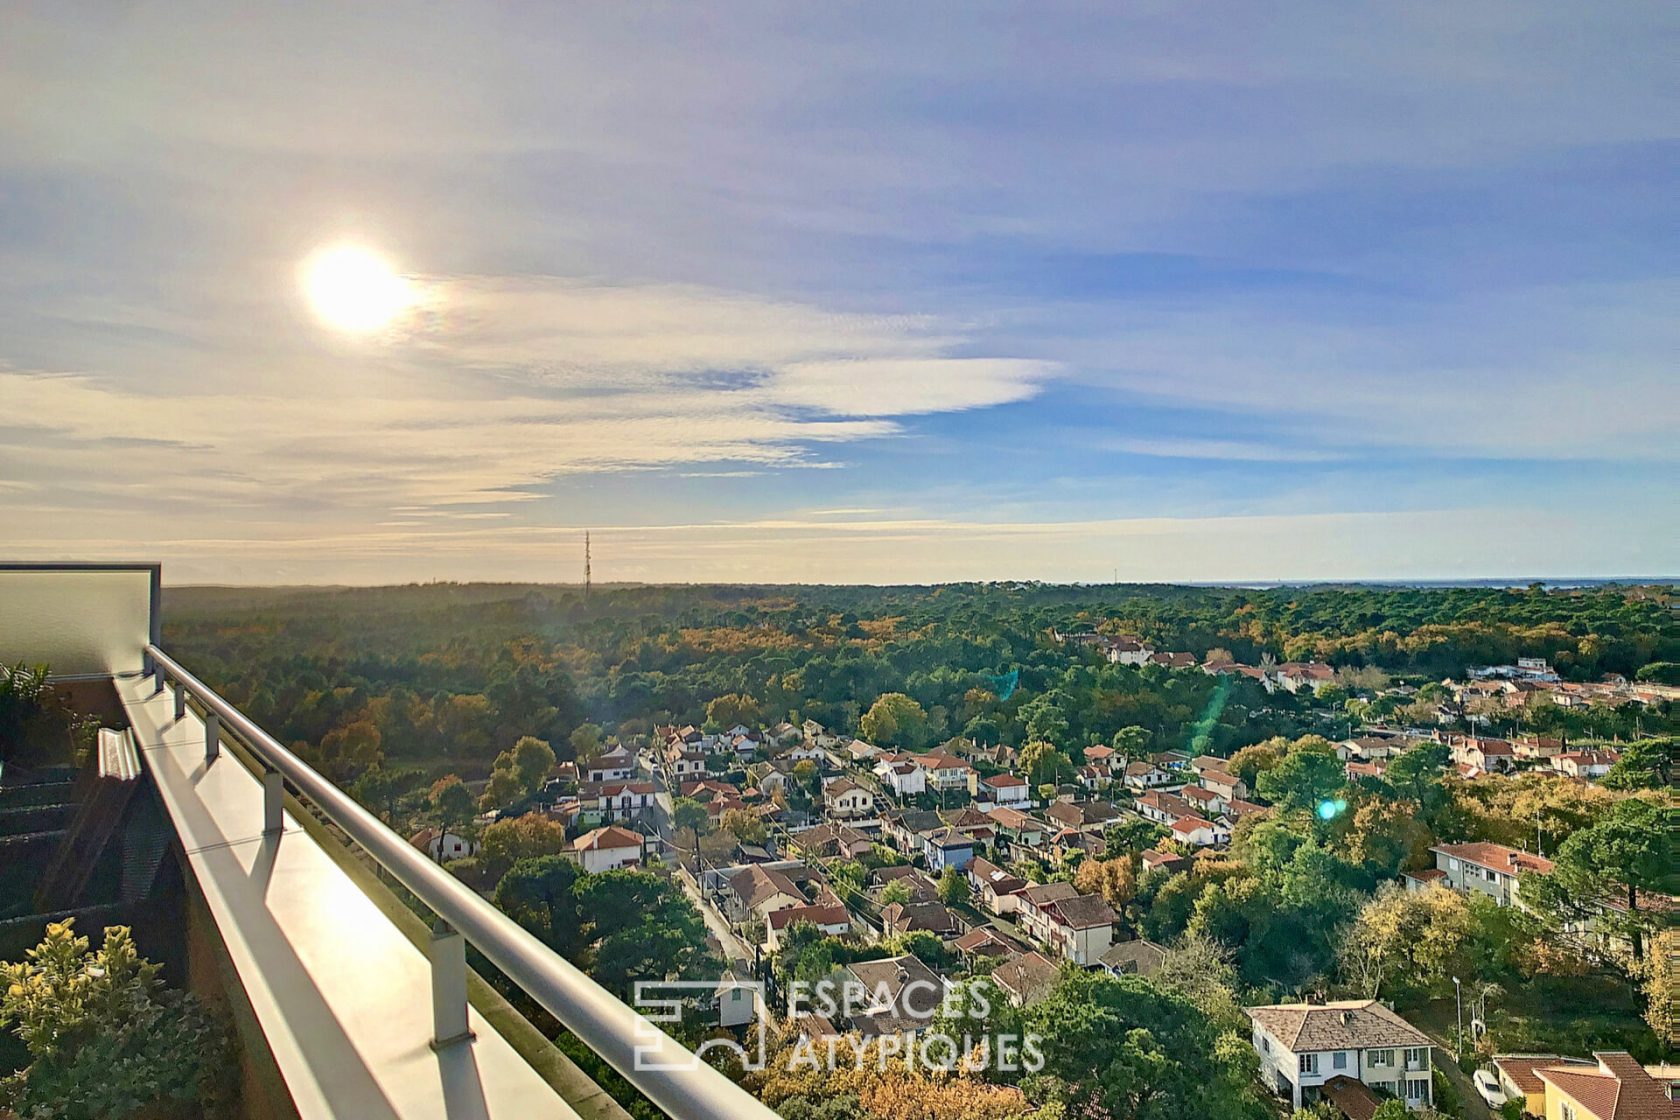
[1487, 868]
[1304, 1045]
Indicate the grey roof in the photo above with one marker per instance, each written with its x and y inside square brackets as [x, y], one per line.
[1353, 1024]
[1085, 911]
[1026, 976]
[1137, 956]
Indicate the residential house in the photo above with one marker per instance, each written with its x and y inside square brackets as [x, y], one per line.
[1199, 832]
[945, 772]
[619, 801]
[616, 765]
[1136, 957]
[1487, 868]
[1236, 809]
[1080, 928]
[904, 828]
[1302, 1046]
[1169, 862]
[1002, 789]
[1491, 756]
[1584, 764]
[815, 732]
[1520, 1082]
[1026, 977]
[607, 849]
[844, 798]
[759, 891]
[1100, 755]
[1129, 651]
[1146, 775]
[831, 840]
[1030, 903]
[784, 733]
[1208, 762]
[831, 918]
[683, 762]
[1093, 778]
[1366, 770]
[1618, 1088]
[1163, 808]
[984, 941]
[920, 917]
[1538, 748]
[902, 776]
[947, 847]
[1225, 784]
[770, 778]
[1296, 675]
[994, 888]
[1085, 816]
[1015, 827]
[860, 752]
[443, 846]
[807, 752]
[1173, 660]
[921, 888]
[1206, 802]
[905, 995]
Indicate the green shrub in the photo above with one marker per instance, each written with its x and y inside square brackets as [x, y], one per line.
[106, 1039]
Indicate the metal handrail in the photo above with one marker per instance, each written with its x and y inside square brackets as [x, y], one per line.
[662, 1068]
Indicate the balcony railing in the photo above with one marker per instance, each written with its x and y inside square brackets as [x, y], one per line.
[120, 637]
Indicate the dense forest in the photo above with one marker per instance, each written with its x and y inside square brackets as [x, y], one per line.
[450, 674]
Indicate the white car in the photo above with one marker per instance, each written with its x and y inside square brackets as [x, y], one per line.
[1487, 1087]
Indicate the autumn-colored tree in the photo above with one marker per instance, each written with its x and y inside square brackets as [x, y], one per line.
[451, 803]
[585, 741]
[895, 720]
[745, 826]
[506, 842]
[1114, 879]
[1387, 837]
[733, 708]
[1407, 938]
[1250, 762]
[351, 750]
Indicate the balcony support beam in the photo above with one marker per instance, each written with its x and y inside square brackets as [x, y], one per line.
[180, 702]
[448, 953]
[212, 737]
[274, 802]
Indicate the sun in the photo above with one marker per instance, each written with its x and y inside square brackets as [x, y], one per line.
[352, 288]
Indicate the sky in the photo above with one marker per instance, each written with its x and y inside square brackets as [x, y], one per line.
[844, 293]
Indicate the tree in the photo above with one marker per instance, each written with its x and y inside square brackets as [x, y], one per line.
[1644, 764]
[1600, 872]
[540, 895]
[1131, 742]
[1114, 879]
[689, 814]
[351, 749]
[1043, 762]
[895, 720]
[506, 842]
[1386, 837]
[1199, 969]
[1131, 835]
[1304, 781]
[953, 887]
[585, 740]
[744, 826]
[896, 891]
[452, 804]
[1250, 762]
[1128, 1048]
[533, 760]
[733, 708]
[1662, 988]
[106, 1039]
[1413, 939]
[379, 789]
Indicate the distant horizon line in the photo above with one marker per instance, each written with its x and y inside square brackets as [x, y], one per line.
[1552, 582]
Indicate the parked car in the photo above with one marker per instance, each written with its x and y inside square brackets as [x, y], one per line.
[1488, 1088]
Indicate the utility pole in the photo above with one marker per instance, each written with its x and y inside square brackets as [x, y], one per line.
[586, 563]
[1458, 996]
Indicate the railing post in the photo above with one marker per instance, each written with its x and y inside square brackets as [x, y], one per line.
[158, 675]
[274, 801]
[180, 702]
[212, 737]
[448, 953]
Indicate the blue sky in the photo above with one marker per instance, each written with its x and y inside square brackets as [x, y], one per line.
[861, 293]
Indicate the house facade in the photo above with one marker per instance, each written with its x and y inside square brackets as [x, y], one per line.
[608, 849]
[1487, 868]
[1304, 1045]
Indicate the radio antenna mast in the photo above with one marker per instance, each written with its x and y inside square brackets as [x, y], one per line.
[586, 563]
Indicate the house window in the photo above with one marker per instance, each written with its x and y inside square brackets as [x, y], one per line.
[1309, 1063]
[1417, 1090]
[1340, 1060]
[1568, 1111]
[1381, 1057]
[1417, 1057]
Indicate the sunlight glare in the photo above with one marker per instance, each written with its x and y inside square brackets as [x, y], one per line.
[352, 288]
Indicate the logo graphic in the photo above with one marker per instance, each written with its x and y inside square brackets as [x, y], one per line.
[668, 1001]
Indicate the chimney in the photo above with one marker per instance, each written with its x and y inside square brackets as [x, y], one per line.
[1347, 1017]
